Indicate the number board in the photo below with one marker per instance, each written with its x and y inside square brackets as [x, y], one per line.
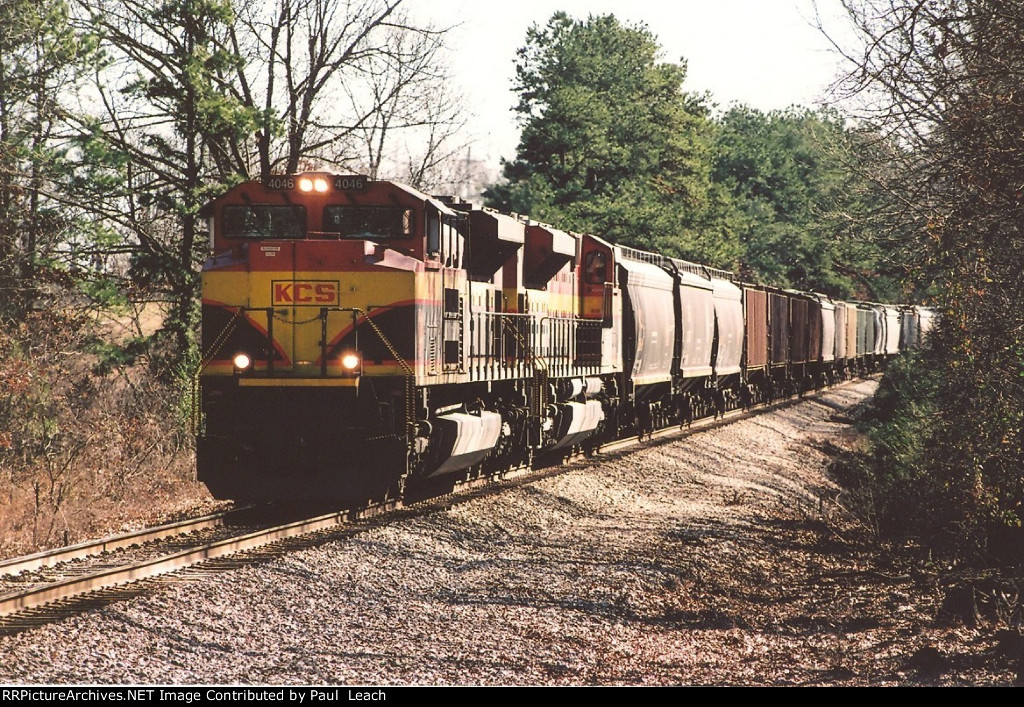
[351, 182]
[281, 183]
[348, 182]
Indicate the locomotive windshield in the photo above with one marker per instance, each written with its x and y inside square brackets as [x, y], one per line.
[261, 221]
[370, 222]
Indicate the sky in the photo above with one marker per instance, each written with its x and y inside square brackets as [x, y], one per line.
[765, 53]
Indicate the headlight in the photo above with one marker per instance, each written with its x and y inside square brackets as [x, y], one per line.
[320, 185]
[305, 184]
[350, 361]
[241, 361]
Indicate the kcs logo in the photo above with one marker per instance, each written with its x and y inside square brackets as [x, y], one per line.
[305, 293]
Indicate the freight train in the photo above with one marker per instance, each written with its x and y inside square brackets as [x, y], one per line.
[359, 336]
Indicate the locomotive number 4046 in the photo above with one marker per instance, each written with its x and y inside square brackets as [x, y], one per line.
[352, 182]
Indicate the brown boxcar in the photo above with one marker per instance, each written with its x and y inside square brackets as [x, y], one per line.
[756, 345]
[814, 330]
[799, 329]
[778, 320]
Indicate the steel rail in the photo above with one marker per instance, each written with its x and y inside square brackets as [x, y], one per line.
[49, 558]
[117, 576]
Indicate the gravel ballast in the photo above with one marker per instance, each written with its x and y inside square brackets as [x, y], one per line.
[714, 559]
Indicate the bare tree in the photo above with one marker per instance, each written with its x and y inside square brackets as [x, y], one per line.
[413, 117]
[197, 94]
[942, 81]
[331, 79]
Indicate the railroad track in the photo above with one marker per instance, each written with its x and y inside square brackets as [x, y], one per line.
[48, 577]
[49, 558]
[47, 580]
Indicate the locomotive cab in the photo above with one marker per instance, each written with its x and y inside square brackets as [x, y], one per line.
[310, 333]
[301, 262]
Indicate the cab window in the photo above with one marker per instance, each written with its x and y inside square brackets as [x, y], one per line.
[258, 221]
[368, 222]
[596, 268]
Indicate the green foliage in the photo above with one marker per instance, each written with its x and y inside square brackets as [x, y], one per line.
[611, 144]
[799, 204]
[147, 169]
[38, 61]
[105, 293]
[112, 356]
[185, 382]
[899, 496]
[930, 477]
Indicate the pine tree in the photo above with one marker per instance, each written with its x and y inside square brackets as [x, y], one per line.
[611, 144]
